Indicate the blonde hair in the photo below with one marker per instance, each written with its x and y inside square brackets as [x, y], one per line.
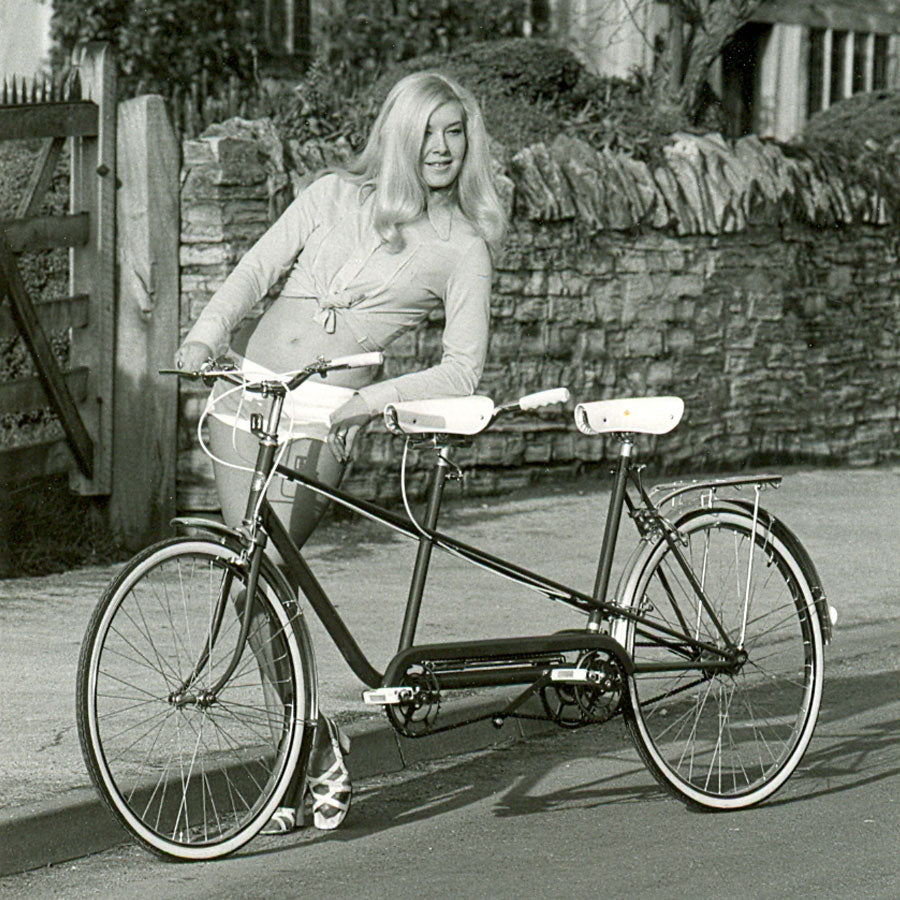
[389, 163]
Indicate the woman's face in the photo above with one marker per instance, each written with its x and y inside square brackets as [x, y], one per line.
[444, 146]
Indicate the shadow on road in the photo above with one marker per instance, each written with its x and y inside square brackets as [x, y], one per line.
[844, 759]
[524, 778]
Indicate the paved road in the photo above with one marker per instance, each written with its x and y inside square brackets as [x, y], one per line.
[581, 806]
[577, 814]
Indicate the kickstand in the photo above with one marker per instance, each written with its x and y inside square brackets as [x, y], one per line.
[500, 717]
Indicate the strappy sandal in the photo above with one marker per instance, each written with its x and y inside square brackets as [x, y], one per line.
[283, 821]
[330, 792]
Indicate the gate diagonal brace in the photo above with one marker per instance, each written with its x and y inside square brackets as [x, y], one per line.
[29, 325]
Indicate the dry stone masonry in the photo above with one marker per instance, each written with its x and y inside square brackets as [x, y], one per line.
[754, 282]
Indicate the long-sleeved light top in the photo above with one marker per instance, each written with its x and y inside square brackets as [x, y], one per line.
[326, 243]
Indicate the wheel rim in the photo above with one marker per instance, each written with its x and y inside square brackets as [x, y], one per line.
[729, 740]
[183, 770]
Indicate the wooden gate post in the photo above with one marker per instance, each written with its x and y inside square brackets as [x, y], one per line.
[146, 403]
[92, 266]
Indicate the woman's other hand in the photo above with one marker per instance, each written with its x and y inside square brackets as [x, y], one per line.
[191, 355]
[346, 420]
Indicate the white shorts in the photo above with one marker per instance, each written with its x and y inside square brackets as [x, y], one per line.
[306, 412]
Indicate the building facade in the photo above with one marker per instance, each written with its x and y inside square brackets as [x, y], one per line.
[24, 37]
[793, 59]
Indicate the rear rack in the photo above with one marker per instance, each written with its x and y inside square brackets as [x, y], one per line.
[711, 486]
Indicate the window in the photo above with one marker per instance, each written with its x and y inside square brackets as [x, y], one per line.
[741, 63]
[815, 99]
[284, 28]
[843, 63]
[838, 64]
[860, 62]
[879, 62]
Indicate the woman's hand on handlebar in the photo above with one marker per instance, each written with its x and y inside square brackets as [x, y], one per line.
[345, 422]
[191, 356]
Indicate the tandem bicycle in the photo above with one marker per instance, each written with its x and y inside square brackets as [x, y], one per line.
[197, 692]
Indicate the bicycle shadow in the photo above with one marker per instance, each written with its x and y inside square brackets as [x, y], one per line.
[513, 777]
[519, 776]
[844, 760]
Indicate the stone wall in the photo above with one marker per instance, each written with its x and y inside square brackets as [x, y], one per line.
[759, 286]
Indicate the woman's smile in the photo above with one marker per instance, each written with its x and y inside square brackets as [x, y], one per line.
[444, 146]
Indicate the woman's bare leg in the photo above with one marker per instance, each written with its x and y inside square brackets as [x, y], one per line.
[300, 510]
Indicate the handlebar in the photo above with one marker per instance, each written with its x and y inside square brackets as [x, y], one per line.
[531, 402]
[358, 360]
[544, 398]
[226, 371]
[281, 385]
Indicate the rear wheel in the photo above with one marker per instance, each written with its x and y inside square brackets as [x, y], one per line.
[723, 739]
[190, 774]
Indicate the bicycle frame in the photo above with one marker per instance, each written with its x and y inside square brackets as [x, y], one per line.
[260, 523]
[698, 654]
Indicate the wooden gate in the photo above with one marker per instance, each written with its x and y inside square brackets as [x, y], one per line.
[82, 111]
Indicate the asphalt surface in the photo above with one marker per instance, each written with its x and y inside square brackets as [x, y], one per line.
[571, 814]
[848, 519]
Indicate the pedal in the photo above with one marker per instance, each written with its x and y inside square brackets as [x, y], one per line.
[388, 696]
[577, 676]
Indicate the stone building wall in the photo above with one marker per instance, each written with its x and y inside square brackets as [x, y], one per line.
[760, 287]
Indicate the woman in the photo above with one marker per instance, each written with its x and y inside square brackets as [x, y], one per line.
[368, 252]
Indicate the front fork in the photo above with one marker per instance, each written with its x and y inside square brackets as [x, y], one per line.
[255, 541]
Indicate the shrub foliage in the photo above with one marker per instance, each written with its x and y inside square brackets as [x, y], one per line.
[369, 36]
[530, 89]
[164, 44]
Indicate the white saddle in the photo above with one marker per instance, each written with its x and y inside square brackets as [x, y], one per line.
[452, 415]
[635, 415]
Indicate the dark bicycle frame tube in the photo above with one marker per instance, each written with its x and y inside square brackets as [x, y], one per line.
[611, 533]
[428, 537]
[423, 555]
[300, 575]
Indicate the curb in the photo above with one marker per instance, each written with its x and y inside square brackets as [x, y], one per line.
[77, 823]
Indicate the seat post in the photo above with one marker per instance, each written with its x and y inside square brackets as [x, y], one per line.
[426, 545]
[611, 532]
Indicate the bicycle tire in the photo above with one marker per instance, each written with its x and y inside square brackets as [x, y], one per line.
[722, 741]
[191, 781]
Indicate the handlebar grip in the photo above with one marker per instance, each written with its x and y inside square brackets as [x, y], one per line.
[544, 398]
[358, 360]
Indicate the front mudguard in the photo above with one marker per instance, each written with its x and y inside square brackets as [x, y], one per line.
[233, 539]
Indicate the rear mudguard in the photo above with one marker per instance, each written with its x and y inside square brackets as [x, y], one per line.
[768, 522]
[792, 542]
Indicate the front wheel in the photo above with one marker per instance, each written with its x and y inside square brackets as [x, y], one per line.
[190, 773]
[728, 738]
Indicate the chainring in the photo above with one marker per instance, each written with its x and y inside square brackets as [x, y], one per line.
[415, 717]
[575, 705]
